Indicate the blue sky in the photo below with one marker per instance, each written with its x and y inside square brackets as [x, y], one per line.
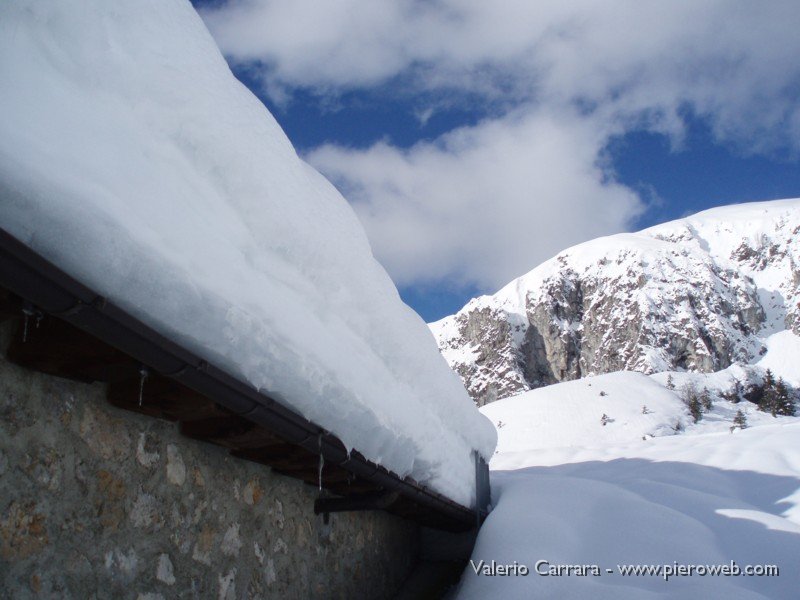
[475, 140]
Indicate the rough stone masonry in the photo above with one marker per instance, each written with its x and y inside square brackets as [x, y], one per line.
[98, 502]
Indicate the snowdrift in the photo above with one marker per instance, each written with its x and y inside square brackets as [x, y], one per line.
[650, 488]
[701, 500]
[133, 159]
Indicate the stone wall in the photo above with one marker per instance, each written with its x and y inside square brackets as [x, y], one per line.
[98, 502]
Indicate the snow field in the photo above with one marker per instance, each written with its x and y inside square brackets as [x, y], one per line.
[572, 491]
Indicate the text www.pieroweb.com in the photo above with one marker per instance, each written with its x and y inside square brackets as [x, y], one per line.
[680, 570]
[546, 568]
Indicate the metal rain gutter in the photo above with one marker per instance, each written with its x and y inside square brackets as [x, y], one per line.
[38, 281]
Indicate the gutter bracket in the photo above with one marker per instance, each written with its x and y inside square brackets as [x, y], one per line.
[376, 501]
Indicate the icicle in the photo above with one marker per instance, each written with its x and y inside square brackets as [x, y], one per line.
[350, 475]
[27, 311]
[143, 374]
[321, 462]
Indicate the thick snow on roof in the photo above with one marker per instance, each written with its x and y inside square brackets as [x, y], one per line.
[132, 158]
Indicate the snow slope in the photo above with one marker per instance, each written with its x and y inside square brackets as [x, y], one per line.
[132, 158]
[569, 414]
[648, 488]
[783, 357]
[702, 499]
[696, 294]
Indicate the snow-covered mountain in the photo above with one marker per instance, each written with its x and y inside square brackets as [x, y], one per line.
[696, 294]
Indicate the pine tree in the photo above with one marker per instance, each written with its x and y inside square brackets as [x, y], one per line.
[670, 382]
[644, 410]
[695, 408]
[604, 419]
[769, 397]
[740, 421]
[769, 379]
[736, 393]
[705, 399]
[784, 403]
[691, 399]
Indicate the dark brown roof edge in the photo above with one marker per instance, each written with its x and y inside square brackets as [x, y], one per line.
[38, 281]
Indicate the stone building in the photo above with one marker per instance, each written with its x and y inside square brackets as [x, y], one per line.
[132, 469]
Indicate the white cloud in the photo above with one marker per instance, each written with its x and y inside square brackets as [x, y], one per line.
[485, 203]
[733, 60]
[424, 115]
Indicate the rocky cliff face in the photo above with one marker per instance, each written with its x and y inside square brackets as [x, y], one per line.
[697, 294]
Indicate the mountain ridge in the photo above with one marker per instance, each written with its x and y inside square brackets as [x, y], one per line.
[698, 294]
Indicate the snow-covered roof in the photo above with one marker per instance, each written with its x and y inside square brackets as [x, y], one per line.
[133, 159]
